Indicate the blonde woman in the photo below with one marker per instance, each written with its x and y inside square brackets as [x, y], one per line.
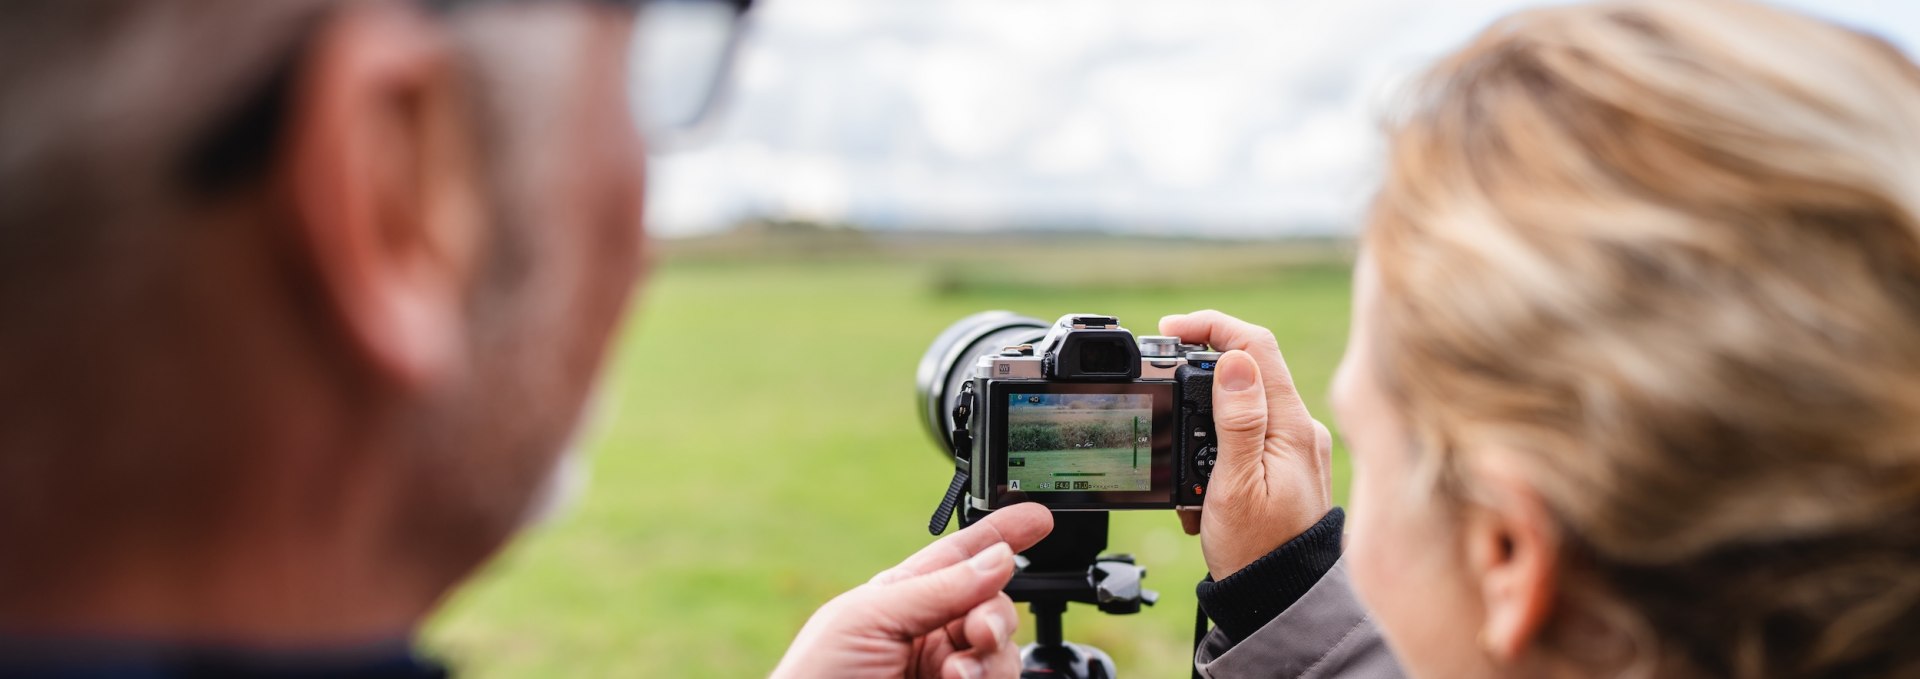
[1634, 381]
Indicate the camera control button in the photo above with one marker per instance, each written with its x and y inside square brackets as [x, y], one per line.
[1160, 346]
[1203, 461]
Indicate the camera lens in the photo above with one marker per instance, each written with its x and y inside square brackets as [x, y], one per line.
[949, 362]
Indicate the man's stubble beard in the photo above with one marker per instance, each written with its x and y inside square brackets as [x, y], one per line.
[565, 485]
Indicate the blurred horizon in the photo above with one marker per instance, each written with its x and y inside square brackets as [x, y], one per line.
[1131, 117]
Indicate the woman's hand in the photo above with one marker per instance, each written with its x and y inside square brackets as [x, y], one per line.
[1271, 480]
[939, 614]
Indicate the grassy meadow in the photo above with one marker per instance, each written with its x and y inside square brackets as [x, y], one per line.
[763, 451]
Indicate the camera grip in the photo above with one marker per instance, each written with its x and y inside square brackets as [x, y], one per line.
[1197, 437]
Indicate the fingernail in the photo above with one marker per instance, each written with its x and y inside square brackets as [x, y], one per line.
[969, 667]
[1235, 372]
[989, 560]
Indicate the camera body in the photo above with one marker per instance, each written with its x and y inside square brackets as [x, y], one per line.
[1090, 418]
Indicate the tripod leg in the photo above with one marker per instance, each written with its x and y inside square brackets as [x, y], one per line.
[1050, 656]
[1046, 622]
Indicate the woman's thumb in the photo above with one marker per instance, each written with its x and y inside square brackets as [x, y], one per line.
[924, 603]
[1239, 418]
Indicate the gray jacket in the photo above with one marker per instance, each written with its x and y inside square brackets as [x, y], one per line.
[1324, 635]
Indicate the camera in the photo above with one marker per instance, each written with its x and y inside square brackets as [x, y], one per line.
[1077, 415]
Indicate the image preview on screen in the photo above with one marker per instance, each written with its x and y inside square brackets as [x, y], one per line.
[1079, 442]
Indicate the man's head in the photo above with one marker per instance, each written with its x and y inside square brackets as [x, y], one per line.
[315, 287]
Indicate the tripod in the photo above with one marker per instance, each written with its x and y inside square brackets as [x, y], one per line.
[1066, 567]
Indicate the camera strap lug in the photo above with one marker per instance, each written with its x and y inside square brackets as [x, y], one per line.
[962, 439]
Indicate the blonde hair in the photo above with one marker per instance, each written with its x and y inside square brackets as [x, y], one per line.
[1666, 255]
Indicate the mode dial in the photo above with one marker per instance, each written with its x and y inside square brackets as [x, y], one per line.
[1160, 346]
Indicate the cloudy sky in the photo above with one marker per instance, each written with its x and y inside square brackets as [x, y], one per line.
[1216, 117]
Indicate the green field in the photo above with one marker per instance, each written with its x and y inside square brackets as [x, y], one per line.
[764, 451]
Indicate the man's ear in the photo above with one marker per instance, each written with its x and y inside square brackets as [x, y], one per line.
[380, 176]
[1513, 554]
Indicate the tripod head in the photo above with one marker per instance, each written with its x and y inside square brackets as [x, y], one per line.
[1067, 567]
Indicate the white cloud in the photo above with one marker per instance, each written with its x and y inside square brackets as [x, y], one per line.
[1077, 144]
[1223, 117]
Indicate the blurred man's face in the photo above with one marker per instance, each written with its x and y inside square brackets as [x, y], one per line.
[341, 297]
[563, 166]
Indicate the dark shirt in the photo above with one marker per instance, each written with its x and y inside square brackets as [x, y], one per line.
[1249, 599]
[82, 659]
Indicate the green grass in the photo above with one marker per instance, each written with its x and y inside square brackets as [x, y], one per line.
[765, 454]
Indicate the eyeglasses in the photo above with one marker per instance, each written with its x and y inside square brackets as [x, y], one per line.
[683, 55]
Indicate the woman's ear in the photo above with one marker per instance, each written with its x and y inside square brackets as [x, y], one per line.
[380, 178]
[1513, 555]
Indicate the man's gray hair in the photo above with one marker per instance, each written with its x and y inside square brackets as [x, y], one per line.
[115, 115]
